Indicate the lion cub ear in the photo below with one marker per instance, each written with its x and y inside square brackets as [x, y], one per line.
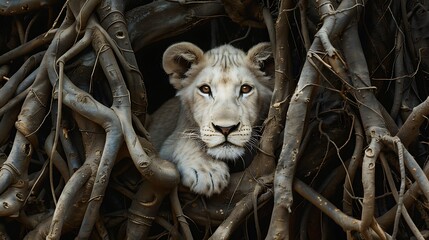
[178, 59]
[262, 56]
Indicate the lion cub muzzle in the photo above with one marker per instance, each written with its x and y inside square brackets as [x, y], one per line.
[226, 130]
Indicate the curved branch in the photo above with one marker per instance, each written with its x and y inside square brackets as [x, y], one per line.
[8, 90]
[27, 47]
[113, 20]
[153, 21]
[238, 215]
[410, 130]
[67, 197]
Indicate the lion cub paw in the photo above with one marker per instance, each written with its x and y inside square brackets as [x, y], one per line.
[206, 177]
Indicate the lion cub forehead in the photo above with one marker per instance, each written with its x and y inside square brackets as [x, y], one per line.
[225, 56]
[226, 50]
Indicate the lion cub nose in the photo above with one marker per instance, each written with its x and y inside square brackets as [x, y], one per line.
[225, 130]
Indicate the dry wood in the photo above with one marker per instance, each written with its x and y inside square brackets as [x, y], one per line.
[342, 153]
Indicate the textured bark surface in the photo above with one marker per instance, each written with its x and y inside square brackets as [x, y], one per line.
[343, 152]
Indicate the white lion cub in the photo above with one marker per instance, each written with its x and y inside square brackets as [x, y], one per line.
[222, 95]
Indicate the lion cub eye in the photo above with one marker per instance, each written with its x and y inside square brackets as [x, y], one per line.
[245, 89]
[205, 89]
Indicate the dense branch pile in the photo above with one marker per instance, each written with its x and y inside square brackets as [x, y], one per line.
[343, 152]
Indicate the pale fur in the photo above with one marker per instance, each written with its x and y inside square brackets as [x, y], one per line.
[184, 129]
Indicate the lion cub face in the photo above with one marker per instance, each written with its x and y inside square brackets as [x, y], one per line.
[224, 91]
